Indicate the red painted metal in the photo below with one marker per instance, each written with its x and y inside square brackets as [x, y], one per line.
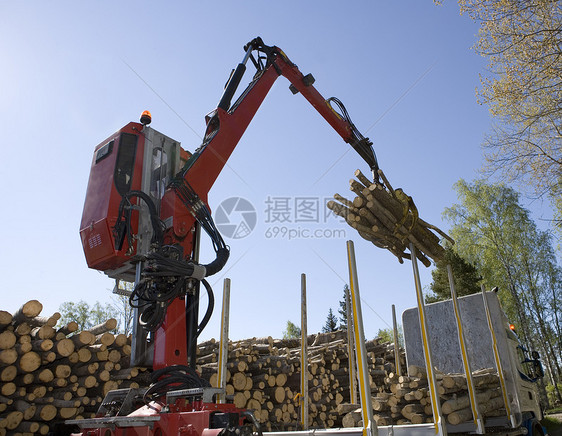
[224, 130]
[102, 199]
[170, 338]
[205, 170]
[183, 419]
[102, 204]
[232, 125]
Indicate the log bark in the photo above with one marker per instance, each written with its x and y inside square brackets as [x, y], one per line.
[463, 402]
[69, 328]
[30, 309]
[103, 327]
[83, 338]
[464, 415]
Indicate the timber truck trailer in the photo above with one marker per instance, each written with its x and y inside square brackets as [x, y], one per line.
[144, 214]
[486, 341]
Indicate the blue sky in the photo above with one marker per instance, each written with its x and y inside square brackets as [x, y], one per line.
[70, 78]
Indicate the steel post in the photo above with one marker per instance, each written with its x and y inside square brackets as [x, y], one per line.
[139, 345]
[478, 420]
[435, 403]
[351, 349]
[369, 425]
[304, 356]
[223, 345]
[499, 367]
[396, 343]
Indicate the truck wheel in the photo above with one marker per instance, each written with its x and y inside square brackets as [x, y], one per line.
[537, 430]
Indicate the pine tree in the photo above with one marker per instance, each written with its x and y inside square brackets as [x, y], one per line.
[467, 279]
[331, 323]
[343, 309]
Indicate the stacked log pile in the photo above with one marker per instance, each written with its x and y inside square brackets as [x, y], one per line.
[264, 375]
[408, 400]
[389, 219]
[48, 375]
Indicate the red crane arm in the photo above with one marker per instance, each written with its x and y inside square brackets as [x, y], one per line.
[186, 197]
[227, 124]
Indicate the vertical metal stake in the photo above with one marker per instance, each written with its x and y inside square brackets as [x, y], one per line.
[435, 404]
[510, 415]
[304, 357]
[351, 349]
[223, 346]
[478, 420]
[139, 347]
[369, 426]
[396, 343]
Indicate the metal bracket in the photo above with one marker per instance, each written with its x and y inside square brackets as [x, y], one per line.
[206, 394]
[120, 399]
[114, 422]
[119, 291]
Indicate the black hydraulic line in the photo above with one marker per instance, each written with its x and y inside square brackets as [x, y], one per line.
[191, 322]
[255, 422]
[362, 145]
[121, 227]
[192, 305]
[231, 87]
[210, 307]
[234, 81]
[175, 377]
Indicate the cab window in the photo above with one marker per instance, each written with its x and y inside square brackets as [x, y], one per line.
[125, 165]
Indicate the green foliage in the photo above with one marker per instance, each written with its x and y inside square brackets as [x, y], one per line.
[292, 331]
[84, 315]
[465, 275]
[342, 310]
[331, 323]
[522, 40]
[553, 426]
[497, 235]
[551, 392]
[387, 335]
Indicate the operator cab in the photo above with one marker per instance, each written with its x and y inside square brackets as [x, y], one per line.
[136, 158]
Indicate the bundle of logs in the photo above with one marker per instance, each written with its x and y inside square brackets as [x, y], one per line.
[408, 401]
[48, 375]
[389, 219]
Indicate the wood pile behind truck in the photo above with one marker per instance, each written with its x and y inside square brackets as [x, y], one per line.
[48, 375]
[264, 375]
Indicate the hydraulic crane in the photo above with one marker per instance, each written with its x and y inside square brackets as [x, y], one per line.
[145, 209]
